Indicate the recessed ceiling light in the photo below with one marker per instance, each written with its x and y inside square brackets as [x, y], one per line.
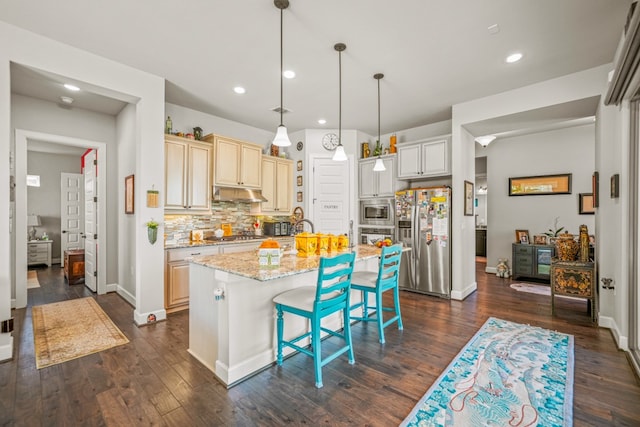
[289, 74]
[71, 87]
[239, 89]
[66, 99]
[322, 121]
[514, 57]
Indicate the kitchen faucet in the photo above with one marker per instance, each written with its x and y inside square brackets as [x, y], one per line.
[295, 226]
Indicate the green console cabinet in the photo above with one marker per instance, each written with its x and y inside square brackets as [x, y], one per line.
[532, 261]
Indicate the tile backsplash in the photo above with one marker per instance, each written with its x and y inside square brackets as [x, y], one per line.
[238, 215]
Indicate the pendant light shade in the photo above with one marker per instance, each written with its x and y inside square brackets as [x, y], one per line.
[281, 139]
[340, 155]
[379, 166]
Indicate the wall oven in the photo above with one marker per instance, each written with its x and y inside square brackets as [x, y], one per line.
[377, 212]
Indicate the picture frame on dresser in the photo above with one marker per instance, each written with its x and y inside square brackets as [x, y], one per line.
[539, 239]
[522, 236]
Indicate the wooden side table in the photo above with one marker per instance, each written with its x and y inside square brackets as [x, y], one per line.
[575, 279]
[74, 266]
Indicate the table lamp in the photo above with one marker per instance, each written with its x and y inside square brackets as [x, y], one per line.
[33, 221]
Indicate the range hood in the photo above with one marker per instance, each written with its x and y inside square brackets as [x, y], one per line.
[229, 194]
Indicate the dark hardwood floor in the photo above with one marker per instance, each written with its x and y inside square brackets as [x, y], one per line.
[154, 381]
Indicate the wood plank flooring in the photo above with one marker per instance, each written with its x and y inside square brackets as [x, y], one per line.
[154, 381]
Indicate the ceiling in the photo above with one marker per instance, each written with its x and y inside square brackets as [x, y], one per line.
[433, 53]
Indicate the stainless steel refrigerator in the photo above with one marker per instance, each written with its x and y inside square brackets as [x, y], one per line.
[423, 224]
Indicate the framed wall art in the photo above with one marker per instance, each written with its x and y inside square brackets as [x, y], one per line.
[585, 204]
[299, 165]
[468, 198]
[540, 185]
[299, 197]
[595, 182]
[299, 180]
[129, 194]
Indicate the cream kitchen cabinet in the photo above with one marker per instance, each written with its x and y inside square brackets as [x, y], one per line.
[187, 174]
[377, 184]
[236, 163]
[426, 158]
[277, 186]
[176, 277]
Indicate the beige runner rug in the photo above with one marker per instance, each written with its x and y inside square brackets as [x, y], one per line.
[32, 279]
[71, 329]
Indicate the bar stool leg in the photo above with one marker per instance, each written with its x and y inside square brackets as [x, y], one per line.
[280, 327]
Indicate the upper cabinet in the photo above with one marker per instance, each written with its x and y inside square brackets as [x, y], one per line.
[236, 163]
[187, 174]
[377, 184]
[426, 158]
[277, 186]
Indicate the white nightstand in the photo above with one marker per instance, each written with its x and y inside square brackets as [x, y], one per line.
[39, 252]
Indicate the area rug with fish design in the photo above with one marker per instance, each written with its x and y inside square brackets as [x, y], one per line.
[70, 329]
[508, 374]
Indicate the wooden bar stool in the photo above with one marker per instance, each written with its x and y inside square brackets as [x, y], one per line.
[377, 283]
[330, 295]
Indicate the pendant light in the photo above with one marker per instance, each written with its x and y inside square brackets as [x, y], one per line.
[485, 140]
[379, 166]
[340, 155]
[281, 139]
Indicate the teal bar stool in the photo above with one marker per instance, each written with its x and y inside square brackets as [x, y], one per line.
[330, 295]
[385, 279]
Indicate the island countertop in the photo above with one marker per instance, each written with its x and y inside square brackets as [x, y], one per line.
[245, 264]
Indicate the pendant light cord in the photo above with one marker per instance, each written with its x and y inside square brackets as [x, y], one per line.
[340, 97]
[378, 112]
[281, 64]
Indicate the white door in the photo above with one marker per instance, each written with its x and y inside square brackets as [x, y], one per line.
[90, 219]
[71, 212]
[331, 196]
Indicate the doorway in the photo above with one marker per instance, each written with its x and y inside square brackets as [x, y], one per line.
[333, 202]
[20, 244]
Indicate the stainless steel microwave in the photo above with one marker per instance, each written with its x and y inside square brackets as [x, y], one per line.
[377, 212]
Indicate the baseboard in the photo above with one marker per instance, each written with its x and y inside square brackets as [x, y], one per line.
[609, 322]
[126, 295]
[6, 350]
[143, 319]
[460, 295]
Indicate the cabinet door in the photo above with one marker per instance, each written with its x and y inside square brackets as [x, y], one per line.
[175, 175]
[409, 159]
[386, 178]
[268, 184]
[227, 162]
[284, 187]
[177, 290]
[199, 182]
[368, 186]
[251, 166]
[435, 158]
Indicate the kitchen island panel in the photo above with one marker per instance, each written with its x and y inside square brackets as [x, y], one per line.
[234, 336]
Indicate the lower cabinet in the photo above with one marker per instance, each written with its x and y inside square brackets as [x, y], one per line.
[575, 279]
[481, 242]
[532, 261]
[176, 277]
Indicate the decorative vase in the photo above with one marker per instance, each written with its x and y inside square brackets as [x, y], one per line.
[152, 234]
[567, 248]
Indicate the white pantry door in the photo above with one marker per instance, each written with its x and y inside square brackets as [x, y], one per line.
[90, 220]
[331, 196]
[71, 212]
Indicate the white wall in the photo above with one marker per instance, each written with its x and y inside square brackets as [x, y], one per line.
[126, 224]
[613, 220]
[570, 150]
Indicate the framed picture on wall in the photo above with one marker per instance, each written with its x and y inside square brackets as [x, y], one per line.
[468, 198]
[585, 204]
[299, 180]
[299, 197]
[128, 194]
[299, 165]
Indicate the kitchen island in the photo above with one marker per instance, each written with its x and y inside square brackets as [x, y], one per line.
[232, 315]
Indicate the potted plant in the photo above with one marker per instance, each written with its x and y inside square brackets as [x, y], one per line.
[554, 232]
[152, 230]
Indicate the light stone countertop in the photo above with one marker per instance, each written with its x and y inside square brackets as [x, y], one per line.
[216, 242]
[246, 263]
